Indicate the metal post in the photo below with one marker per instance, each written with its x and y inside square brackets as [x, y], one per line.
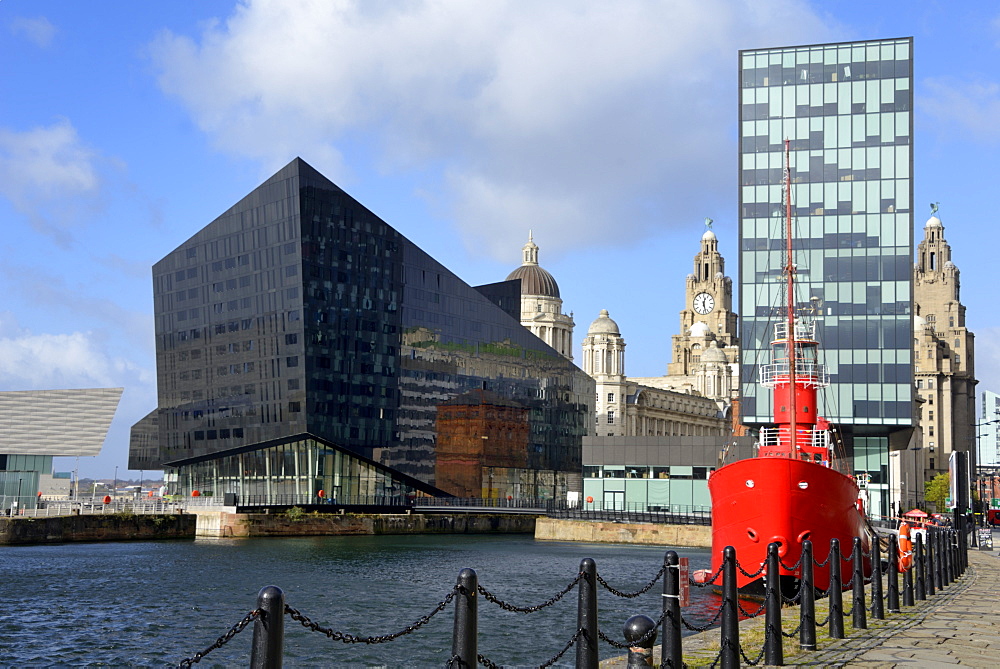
[640, 653]
[893, 586]
[774, 654]
[919, 565]
[836, 592]
[929, 563]
[807, 599]
[670, 649]
[586, 617]
[730, 615]
[878, 610]
[269, 629]
[942, 558]
[949, 552]
[464, 640]
[859, 620]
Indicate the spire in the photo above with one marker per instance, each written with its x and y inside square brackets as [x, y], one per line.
[530, 251]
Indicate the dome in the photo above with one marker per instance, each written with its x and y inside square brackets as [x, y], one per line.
[534, 279]
[714, 354]
[933, 222]
[699, 329]
[604, 325]
[709, 235]
[919, 322]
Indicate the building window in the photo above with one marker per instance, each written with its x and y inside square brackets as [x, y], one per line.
[292, 361]
[930, 430]
[294, 407]
[930, 415]
[611, 417]
[920, 383]
[611, 397]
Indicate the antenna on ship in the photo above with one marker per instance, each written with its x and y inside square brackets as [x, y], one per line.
[790, 277]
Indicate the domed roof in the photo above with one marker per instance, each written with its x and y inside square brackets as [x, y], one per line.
[933, 222]
[713, 353]
[604, 325]
[699, 329]
[534, 279]
[708, 235]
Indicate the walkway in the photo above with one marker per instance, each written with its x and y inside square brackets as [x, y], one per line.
[959, 626]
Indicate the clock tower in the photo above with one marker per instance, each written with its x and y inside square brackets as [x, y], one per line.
[708, 312]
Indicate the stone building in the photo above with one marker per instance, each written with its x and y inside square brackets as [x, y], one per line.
[944, 367]
[541, 306]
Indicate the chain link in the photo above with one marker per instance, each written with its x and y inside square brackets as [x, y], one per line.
[746, 613]
[695, 628]
[580, 632]
[487, 662]
[793, 567]
[748, 661]
[630, 595]
[222, 640]
[749, 575]
[350, 638]
[493, 599]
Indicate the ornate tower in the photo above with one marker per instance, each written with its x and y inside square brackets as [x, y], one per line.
[708, 302]
[541, 306]
[604, 361]
[943, 354]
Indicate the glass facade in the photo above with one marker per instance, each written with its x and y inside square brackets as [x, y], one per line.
[299, 470]
[847, 111]
[299, 311]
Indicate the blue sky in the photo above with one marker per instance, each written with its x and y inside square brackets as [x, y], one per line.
[608, 129]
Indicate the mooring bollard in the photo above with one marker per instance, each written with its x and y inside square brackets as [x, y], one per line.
[929, 564]
[858, 620]
[586, 617]
[893, 586]
[807, 599]
[908, 585]
[919, 589]
[670, 648]
[774, 654]
[835, 592]
[942, 559]
[464, 642]
[267, 647]
[949, 560]
[640, 650]
[730, 654]
[878, 609]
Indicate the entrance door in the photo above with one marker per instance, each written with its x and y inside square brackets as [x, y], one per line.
[614, 500]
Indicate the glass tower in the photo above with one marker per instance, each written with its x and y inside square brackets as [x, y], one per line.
[847, 111]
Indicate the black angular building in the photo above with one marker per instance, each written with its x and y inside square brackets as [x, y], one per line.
[304, 345]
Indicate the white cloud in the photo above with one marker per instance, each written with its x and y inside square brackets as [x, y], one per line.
[39, 31]
[573, 118]
[74, 360]
[972, 106]
[49, 175]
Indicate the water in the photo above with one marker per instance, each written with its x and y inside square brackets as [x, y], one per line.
[156, 603]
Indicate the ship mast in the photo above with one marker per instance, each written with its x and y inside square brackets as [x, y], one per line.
[790, 278]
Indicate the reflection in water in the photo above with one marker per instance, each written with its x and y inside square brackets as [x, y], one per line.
[159, 602]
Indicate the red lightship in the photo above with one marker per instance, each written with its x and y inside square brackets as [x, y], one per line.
[795, 488]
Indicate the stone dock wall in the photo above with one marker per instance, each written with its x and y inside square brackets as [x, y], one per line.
[222, 524]
[651, 534]
[105, 527]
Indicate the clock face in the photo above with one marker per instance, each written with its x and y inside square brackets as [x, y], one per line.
[704, 303]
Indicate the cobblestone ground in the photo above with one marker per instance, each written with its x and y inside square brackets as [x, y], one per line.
[959, 625]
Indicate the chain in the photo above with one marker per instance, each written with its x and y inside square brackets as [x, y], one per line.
[695, 628]
[350, 638]
[792, 634]
[710, 581]
[630, 595]
[746, 613]
[747, 660]
[792, 600]
[493, 599]
[825, 621]
[715, 662]
[222, 640]
[753, 575]
[568, 645]
[824, 562]
[793, 567]
[487, 662]
[651, 634]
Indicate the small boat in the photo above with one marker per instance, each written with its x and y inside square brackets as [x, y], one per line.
[796, 487]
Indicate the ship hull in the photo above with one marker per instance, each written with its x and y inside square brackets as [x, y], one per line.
[762, 500]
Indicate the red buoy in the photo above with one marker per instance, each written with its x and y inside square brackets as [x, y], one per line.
[107, 499]
[590, 500]
[196, 493]
[321, 494]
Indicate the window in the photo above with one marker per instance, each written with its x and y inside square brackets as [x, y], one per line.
[291, 339]
[611, 397]
[920, 383]
[294, 407]
[611, 417]
[930, 415]
[292, 361]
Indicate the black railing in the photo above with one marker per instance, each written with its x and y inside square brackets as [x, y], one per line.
[944, 547]
[636, 513]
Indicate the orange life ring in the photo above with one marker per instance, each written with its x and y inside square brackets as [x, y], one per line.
[905, 548]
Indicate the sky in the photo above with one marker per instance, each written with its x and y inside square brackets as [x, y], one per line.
[606, 129]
